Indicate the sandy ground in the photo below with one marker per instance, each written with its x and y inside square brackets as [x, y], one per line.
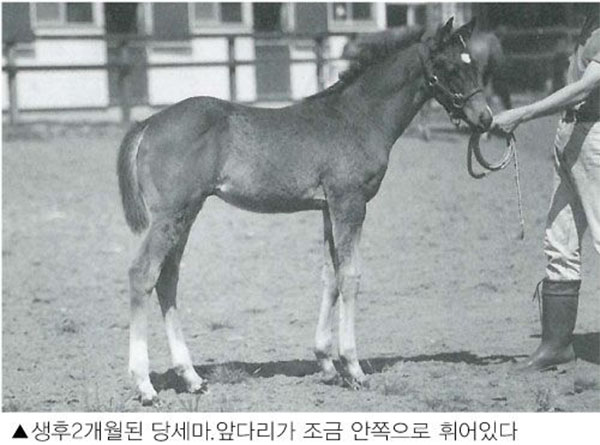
[445, 308]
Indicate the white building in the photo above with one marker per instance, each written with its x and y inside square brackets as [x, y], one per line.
[75, 34]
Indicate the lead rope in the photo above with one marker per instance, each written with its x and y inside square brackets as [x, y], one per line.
[538, 296]
[518, 187]
[511, 153]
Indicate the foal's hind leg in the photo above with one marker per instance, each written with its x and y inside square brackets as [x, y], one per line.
[347, 214]
[166, 289]
[324, 334]
[163, 235]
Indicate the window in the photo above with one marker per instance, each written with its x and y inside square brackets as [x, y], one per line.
[211, 14]
[361, 11]
[205, 12]
[79, 13]
[231, 12]
[349, 13]
[63, 14]
[47, 13]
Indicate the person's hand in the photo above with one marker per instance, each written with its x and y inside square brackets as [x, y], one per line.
[508, 120]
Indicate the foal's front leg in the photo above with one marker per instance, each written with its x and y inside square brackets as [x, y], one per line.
[324, 334]
[347, 217]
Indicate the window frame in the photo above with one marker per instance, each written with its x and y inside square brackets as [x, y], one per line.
[350, 22]
[62, 25]
[217, 23]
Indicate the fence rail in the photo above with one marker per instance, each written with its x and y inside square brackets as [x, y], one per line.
[125, 65]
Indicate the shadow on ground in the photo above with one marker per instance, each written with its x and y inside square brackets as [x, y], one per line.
[302, 368]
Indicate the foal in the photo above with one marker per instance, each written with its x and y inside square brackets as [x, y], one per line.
[328, 153]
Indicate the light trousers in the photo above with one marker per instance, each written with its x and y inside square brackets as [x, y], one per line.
[575, 204]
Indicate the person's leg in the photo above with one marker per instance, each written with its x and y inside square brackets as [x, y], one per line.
[565, 227]
[586, 174]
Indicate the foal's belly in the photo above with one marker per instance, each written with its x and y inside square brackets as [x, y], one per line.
[263, 198]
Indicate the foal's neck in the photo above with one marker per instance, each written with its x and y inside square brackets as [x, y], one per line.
[388, 96]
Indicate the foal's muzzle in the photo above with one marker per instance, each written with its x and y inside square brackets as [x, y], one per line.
[477, 114]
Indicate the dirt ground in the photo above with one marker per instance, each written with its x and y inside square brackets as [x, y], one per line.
[445, 309]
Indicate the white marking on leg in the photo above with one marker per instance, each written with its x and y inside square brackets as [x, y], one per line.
[347, 338]
[347, 227]
[143, 275]
[324, 333]
[180, 354]
[138, 343]
[166, 288]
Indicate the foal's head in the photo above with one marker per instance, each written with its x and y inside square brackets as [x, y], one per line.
[452, 77]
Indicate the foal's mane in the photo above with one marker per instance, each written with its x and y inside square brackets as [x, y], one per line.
[372, 49]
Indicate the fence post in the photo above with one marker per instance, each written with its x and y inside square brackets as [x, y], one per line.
[11, 68]
[320, 62]
[232, 68]
[123, 81]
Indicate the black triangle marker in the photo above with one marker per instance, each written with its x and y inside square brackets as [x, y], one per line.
[20, 433]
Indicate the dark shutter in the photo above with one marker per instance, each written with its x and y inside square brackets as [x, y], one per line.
[267, 17]
[171, 21]
[120, 18]
[16, 23]
[311, 17]
[396, 15]
[231, 12]
[79, 13]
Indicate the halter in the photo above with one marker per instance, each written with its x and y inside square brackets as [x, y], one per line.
[453, 102]
[457, 101]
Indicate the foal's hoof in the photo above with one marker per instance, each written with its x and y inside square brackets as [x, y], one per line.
[150, 401]
[194, 384]
[200, 387]
[331, 378]
[148, 395]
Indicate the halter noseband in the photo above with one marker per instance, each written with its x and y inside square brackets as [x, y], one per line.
[452, 102]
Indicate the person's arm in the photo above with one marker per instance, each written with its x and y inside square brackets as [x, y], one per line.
[564, 98]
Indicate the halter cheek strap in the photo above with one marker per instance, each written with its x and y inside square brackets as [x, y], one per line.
[456, 100]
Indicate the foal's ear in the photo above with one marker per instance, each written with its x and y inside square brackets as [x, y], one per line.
[444, 32]
[464, 32]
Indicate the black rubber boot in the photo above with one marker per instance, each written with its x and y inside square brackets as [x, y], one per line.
[559, 312]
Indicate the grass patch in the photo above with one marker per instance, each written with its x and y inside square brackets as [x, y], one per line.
[13, 406]
[544, 400]
[191, 404]
[394, 387]
[93, 402]
[227, 375]
[218, 325]
[456, 403]
[69, 326]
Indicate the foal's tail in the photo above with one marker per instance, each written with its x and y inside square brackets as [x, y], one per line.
[134, 207]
